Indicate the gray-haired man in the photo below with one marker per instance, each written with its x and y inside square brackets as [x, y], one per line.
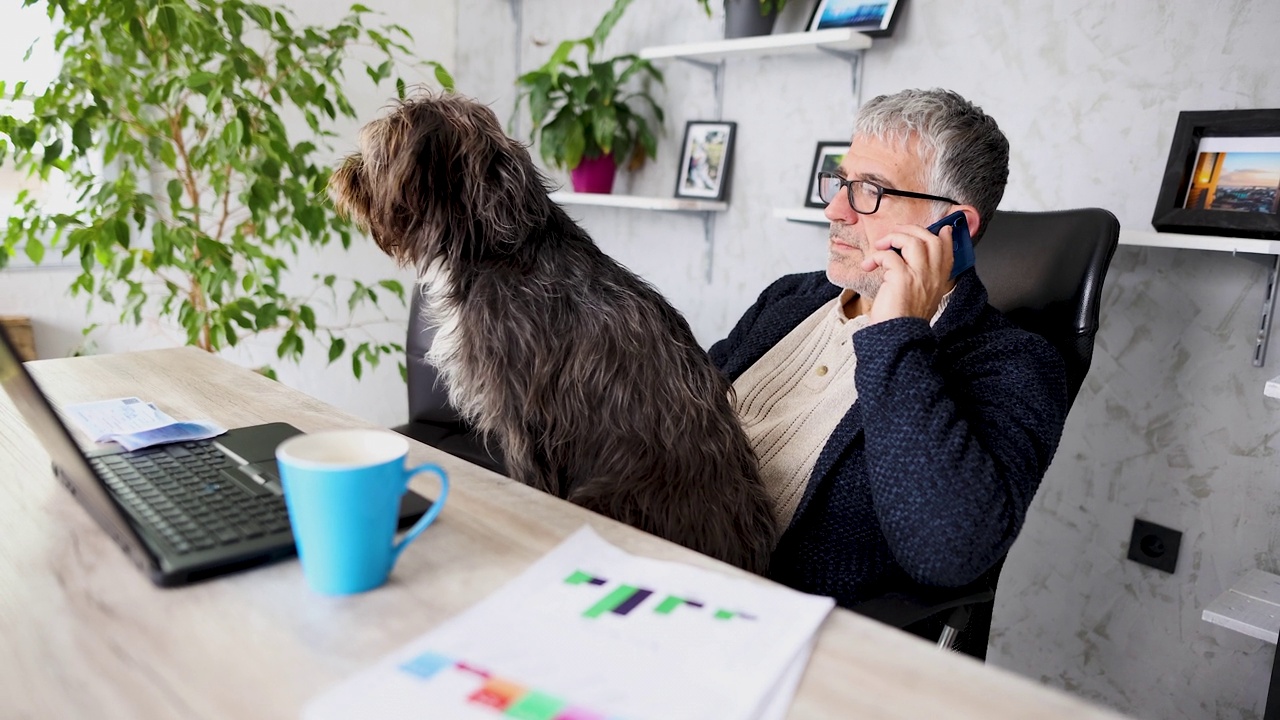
[902, 424]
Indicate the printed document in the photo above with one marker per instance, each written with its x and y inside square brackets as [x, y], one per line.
[590, 632]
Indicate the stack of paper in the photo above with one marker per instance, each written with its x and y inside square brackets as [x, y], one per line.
[590, 632]
[135, 424]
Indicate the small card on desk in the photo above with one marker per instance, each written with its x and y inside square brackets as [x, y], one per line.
[590, 632]
[135, 424]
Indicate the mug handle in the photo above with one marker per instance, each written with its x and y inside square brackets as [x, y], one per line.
[429, 516]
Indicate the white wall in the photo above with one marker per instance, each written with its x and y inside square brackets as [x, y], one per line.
[380, 397]
[1171, 425]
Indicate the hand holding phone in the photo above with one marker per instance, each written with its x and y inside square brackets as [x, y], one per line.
[961, 243]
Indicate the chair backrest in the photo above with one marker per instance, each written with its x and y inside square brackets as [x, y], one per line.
[428, 401]
[1044, 271]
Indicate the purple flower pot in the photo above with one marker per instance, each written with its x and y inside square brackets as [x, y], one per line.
[594, 175]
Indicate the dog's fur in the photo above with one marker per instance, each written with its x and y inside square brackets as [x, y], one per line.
[591, 382]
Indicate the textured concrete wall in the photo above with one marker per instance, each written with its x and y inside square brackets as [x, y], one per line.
[1171, 425]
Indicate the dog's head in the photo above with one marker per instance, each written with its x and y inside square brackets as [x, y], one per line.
[438, 178]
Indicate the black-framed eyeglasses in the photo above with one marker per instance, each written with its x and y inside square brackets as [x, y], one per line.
[864, 195]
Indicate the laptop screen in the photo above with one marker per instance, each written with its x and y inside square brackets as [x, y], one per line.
[66, 455]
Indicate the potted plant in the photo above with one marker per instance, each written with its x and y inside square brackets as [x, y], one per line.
[193, 195]
[747, 18]
[588, 118]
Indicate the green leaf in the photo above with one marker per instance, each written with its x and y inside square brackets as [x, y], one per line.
[336, 348]
[200, 81]
[175, 190]
[608, 21]
[81, 137]
[52, 151]
[443, 77]
[168, 155]
[167, 19]
[575, 143]
[307, 317]
[121, 231]
[35, 250]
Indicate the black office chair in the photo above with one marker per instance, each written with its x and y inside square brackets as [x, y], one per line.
[432, 420]
[1044, 271]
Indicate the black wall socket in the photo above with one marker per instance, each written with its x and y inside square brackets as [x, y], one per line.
[1154, 545]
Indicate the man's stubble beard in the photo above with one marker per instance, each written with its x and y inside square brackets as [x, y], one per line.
[854, 278]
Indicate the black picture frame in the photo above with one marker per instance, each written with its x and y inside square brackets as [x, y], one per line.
[873, 18]
[1190, 189]
[828, 156]
[706, 160]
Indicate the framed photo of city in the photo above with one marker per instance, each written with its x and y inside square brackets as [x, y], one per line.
[827, 158]
[705, 161]
[873, 18]
[1223, 175]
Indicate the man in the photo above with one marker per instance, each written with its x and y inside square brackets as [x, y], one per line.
[902, 424]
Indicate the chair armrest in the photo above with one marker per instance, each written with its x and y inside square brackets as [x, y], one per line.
[905, 608]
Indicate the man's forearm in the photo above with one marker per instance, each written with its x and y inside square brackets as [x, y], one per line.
[955, 446]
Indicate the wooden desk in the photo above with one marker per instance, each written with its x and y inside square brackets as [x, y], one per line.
[86, 635]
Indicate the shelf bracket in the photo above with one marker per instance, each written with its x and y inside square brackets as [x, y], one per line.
[717, 80]
[1268, 310]
[709, 242]
[854, 58]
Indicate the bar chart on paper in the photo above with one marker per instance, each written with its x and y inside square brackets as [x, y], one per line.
[625, 598]
[591, 633]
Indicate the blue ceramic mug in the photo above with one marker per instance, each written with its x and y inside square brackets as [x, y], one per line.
[343, 491]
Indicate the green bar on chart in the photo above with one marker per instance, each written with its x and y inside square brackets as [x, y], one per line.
[577, 578]
[723, 614]
[610, 601]
[666, 606]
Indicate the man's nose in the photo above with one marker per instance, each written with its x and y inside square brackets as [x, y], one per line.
[840, 209]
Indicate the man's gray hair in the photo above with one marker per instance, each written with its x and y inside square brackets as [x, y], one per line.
[965, 155]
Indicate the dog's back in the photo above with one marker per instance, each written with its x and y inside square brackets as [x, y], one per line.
[598, 392]
[593, 384]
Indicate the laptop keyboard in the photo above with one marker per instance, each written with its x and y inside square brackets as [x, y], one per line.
[179, 490]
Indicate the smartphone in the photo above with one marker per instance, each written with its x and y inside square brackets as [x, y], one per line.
[961, 243]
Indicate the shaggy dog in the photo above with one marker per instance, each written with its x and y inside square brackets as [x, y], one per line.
[591, 382]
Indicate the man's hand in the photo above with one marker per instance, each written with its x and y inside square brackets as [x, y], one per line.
[916, 279]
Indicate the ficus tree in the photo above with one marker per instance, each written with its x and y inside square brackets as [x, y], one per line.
[190, 194]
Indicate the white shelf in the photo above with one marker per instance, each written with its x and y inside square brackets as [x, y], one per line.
[802, 215]
[1139, 238]
[638, 203]
[834, 39]
[1147, 238]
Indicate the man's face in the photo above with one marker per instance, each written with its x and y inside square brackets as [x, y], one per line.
[892, 167]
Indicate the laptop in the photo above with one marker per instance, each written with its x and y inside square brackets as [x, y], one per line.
[182, 512]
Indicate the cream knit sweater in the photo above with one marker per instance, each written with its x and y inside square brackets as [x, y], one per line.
[793, 397]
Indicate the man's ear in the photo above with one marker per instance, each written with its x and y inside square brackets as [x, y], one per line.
[971, 217]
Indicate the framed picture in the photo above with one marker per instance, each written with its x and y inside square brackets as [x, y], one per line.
[1223, 175]
[828, 157]
[869, 18]
[706, 160]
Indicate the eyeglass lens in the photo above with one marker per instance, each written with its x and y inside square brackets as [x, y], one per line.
[863, 196]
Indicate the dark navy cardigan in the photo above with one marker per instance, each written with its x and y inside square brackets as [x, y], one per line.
[928, 476]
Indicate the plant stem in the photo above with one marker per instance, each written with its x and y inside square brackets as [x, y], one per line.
[198, 300]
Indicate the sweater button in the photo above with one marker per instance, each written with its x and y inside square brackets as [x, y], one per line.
[822, 370]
